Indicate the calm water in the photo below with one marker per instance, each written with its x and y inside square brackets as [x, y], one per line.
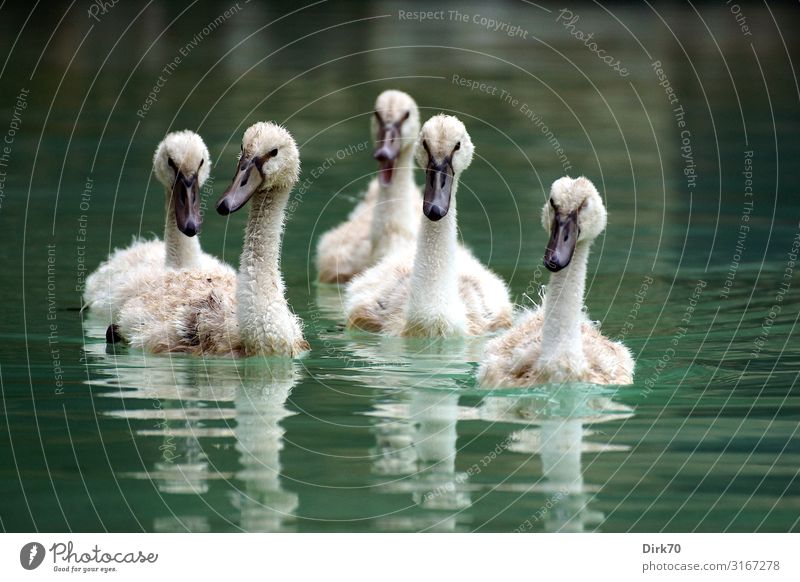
[371, 434]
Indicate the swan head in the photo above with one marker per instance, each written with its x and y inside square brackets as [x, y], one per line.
[395, 125]
[182, 164]
[269, 162]
[573, 215]
[444, 149]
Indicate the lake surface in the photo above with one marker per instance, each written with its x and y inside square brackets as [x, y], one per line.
[689, 132]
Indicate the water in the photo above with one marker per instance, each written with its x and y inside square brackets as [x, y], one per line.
[371, 434]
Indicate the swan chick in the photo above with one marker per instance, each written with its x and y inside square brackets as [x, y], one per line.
[387, 218]
[438, 289]
[557, 342]
[204, 312]
[181, 164]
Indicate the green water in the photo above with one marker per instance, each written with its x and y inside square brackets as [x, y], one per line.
[370, 434]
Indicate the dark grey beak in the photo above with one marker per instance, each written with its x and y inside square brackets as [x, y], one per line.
[387, 147]
[438, 187]
[245, 183]
[564, 233]
[186, 193]
[386, 153]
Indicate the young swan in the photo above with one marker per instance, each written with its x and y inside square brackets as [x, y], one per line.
[387, 219]
[557, 342]
[203, 312]
[439, 289]
[182, 164]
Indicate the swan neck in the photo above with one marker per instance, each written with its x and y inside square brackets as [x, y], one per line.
[434, 280]
[260, 285]
[181, 251]
[563, 309]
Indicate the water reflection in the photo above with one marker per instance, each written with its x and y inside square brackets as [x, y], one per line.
[196, 408]
[416, 412]
[416, 451]
[264, 506]
[330, 302]
[555, 426]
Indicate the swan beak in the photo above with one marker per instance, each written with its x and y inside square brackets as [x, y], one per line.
[186, 193]
[438, 186]
[561, 246]
[386, 152]
[245, 183]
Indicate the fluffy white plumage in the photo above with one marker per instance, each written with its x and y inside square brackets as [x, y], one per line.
[557, 342]
[207, 312]
[437, 288]
[128, 270]
[387, 218]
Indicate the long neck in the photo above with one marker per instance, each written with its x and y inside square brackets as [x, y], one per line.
[563, 311]
[434, 281]
[396, 210]
[182, 251]
[260, 285]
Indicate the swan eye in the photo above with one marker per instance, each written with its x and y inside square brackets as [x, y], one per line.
[273, 153]
[172, 164]
[201, 163]
[458, 147]
[553, 204]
